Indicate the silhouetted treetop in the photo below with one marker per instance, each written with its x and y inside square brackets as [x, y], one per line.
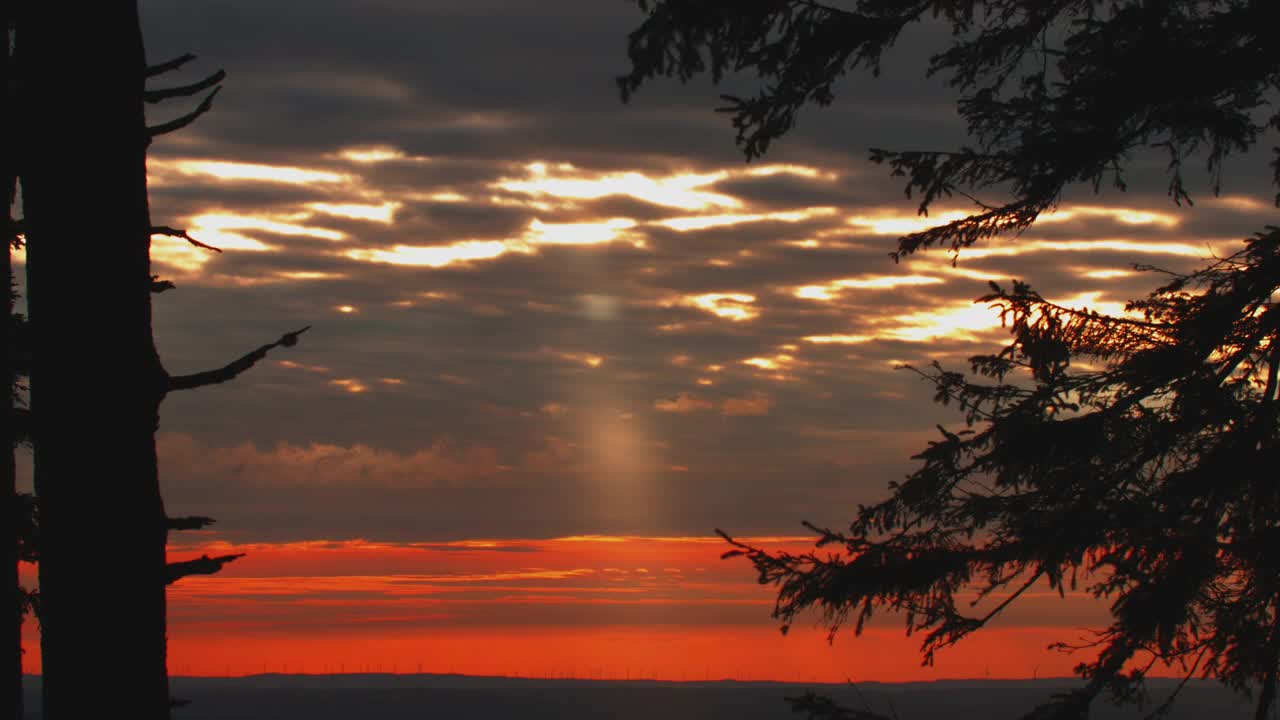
[1054, 92]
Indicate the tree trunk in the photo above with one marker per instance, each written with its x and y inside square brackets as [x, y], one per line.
[96, 381]
[8, 476]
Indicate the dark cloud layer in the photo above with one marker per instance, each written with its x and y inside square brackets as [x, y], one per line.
[629, 348]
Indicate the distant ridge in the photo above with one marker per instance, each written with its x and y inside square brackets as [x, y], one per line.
[389, 696]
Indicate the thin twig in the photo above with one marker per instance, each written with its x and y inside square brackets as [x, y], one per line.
[180, 233]
[173, 64]
[185, 120]
[155, 96]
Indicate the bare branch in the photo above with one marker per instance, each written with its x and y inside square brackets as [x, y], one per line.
[188, 522]
[233, 369]
[180, 233]
[155, 96]
[174, 64]
[185, 120]
[203, 565]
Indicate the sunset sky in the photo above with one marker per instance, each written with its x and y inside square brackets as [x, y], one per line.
[557, 340]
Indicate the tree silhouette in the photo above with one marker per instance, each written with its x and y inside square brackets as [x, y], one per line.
[1148, 480]
[17, 510]
[96, 381]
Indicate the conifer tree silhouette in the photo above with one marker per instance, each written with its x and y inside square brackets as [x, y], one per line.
[1149, 480]
[96, 382]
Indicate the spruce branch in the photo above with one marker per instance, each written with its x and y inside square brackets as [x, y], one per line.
[203, 565]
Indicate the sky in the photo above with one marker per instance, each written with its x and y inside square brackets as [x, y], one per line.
[557, 340]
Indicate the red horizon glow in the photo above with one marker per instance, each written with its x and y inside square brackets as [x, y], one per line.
[592, 607]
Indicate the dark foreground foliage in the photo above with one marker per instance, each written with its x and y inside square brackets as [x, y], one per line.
[1130, 456]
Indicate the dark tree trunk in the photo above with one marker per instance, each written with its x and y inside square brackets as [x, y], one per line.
[8, 485]
[96, 381]
[8, 475]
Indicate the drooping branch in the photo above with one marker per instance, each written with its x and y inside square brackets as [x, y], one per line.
[168, 231]
[233, 369]
[203, 565]
[167, 66]
[180, 122]
[188, 522]
[155, 96]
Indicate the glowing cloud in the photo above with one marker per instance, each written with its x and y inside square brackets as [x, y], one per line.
[903, 224]
[588, 359]
[871, 282]
[435, 256]
[838, 339]
[537, 234]
[1028, 246]
[214, 224]
[351, 385]
[256, 172]
[788, 169]
[1128, 216]
[703, 222]
[1107, 273]
[776, 365]
[731, 306]
[383, 213]
[959, 322]
[371, 155]
[682, 403]
[583, 233]
[753, 403]
[900, 224]
[766, 363]
[680, 191]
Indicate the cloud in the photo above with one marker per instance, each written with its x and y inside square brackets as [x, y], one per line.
[443, 463]
[753, 403]
[682, 403]
[501, 261]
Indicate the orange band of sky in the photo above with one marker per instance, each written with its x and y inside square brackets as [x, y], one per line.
[586, 607]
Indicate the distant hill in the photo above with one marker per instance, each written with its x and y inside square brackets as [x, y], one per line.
[405, 697]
